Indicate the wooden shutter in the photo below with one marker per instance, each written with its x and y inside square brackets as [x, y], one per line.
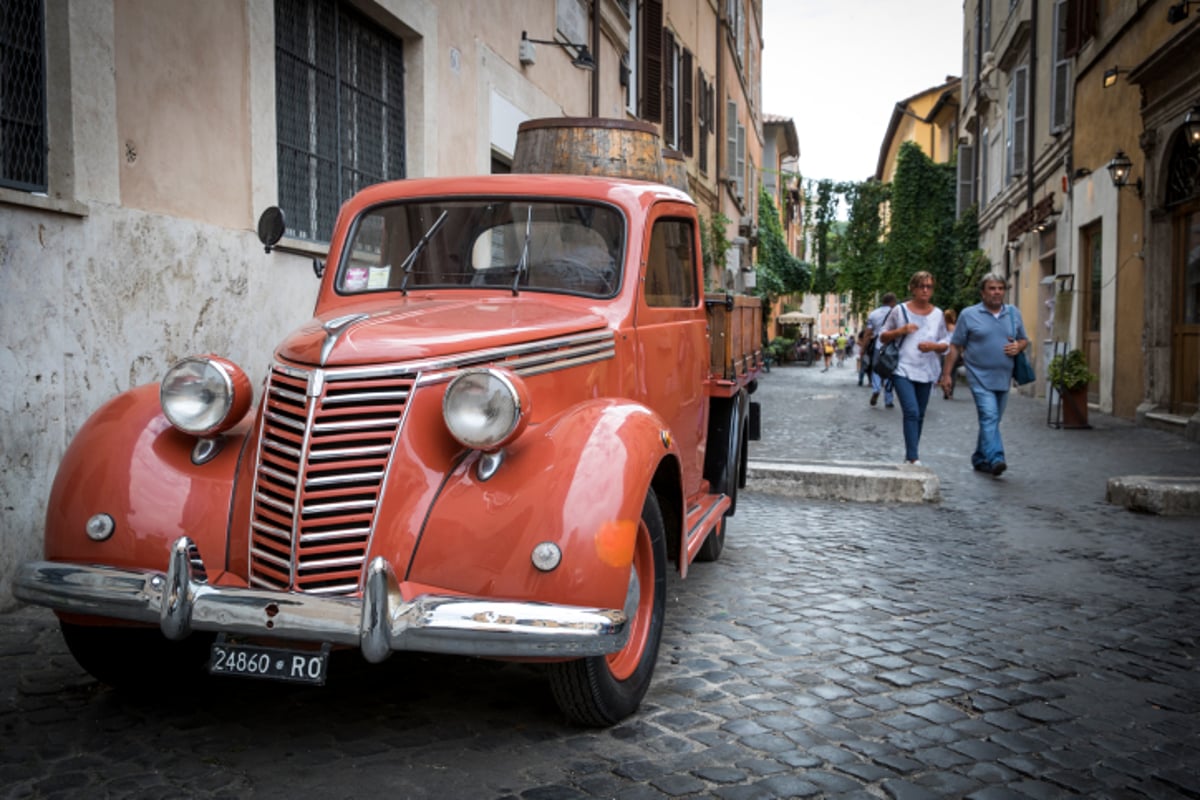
[652, 60]
[687, 106]
[669, 77]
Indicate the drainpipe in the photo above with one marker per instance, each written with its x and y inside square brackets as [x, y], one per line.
[977, 191]
[596, 57]
[722, 109]
[1031, 99]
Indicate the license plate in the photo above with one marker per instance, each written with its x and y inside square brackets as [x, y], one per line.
[272, 663]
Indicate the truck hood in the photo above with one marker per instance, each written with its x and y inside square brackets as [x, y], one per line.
[416, 329]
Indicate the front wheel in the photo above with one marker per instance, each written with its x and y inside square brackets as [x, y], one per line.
[602, 690]
[136, 660]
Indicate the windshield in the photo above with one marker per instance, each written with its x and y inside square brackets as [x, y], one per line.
[501, 243]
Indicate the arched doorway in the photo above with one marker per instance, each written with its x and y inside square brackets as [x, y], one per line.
[1183, 202]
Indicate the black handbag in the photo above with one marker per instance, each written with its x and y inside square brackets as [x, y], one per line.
[887, 357]
[1022, 370]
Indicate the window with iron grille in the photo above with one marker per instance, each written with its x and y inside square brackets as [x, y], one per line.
[339, 106]
[23, 95]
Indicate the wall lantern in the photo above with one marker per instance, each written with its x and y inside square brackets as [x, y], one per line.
[1191, 126]
[1119, 169]
[1110, 76]
[1178, 12]
[527, 53]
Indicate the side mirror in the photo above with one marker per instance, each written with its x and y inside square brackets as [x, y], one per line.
[271, 227]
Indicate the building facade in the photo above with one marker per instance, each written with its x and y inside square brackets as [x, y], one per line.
[141, 139]
[1074, 150]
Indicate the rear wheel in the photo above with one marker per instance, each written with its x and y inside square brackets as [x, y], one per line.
[724, 466]
[136, 659]
[602, 690]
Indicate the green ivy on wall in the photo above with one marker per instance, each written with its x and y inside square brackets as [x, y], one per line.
[778, 271]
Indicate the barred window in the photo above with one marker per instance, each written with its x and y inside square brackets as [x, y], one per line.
[23, 95]
[339, 110]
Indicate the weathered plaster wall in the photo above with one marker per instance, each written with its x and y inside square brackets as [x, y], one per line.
[97, 305]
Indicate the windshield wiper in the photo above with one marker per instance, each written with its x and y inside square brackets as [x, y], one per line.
[411, 258]
[523, 264]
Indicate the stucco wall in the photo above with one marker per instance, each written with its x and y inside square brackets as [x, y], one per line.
[97, 305]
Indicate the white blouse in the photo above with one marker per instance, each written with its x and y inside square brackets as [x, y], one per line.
[919, 367]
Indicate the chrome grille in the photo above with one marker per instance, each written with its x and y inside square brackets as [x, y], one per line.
[323, 453]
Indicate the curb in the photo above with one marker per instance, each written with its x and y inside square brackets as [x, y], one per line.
[856, 481]
[1167, 496]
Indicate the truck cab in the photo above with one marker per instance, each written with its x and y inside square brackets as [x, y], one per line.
[512, 409]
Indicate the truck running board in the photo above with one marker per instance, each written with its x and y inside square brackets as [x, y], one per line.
[702, 517]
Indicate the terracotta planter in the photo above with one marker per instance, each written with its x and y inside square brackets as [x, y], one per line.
[1075, 407]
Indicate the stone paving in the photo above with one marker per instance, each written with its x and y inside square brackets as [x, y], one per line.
[1021, 638]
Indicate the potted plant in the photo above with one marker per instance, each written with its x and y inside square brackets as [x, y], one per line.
[1068, 373]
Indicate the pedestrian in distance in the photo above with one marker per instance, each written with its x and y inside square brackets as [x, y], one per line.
[841, 349]
[874, 325]
[861, 362]
[988, 336]
[827, 350]
[951, 320]
[921, 327]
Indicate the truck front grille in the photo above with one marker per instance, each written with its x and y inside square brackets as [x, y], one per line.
[324, 449]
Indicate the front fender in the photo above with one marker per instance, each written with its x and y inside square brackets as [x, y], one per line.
[578, 480]
[127, 461]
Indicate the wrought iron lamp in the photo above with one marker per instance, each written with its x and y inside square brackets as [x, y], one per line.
[1119, 169]
[1178, 12]
[1191, 126]
[528, 55]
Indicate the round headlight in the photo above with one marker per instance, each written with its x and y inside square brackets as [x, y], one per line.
[486, 409]
[204, 396]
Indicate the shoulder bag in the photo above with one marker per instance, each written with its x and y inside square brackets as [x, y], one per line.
[888, 357]
[1022, 370]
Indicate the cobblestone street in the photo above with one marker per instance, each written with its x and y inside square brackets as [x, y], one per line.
[1020, 638]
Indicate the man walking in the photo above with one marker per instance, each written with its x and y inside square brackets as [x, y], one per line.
[874, 326]
[988, 336]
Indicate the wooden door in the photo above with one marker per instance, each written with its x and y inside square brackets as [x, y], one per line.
[1185, 323]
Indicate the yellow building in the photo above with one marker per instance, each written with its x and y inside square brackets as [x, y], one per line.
[1137, 246]
[929, 118]
[1088, 188]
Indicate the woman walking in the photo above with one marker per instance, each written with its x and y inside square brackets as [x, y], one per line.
[923, 328]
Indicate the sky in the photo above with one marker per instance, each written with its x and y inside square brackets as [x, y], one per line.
[838, 68]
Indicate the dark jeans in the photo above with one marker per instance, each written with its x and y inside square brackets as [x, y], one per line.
[913, 397]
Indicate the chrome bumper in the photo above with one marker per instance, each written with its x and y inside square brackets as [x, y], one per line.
[377, 623]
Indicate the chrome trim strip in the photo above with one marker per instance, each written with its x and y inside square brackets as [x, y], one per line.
[282, 477]
[325, 508]
[354, 425]
[388, 395]
[343, 478]
[335, 536]
[295, 397]
[471, 358]
[379, 622]
[279, 505]
[346, 452]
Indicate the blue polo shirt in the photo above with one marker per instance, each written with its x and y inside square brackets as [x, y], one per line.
[982, 336]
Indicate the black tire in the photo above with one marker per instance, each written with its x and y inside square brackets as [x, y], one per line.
[600, 691]
[711, 549]
[136, 660]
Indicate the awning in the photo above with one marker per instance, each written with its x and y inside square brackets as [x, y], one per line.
[795, 318]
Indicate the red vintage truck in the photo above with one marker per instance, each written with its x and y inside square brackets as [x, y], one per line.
[513, 406]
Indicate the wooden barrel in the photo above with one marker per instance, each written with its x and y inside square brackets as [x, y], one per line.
[614, 148]
[674, 169]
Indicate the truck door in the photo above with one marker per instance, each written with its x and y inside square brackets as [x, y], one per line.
[672, 333]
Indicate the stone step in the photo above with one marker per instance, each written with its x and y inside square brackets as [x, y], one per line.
[857, 481]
